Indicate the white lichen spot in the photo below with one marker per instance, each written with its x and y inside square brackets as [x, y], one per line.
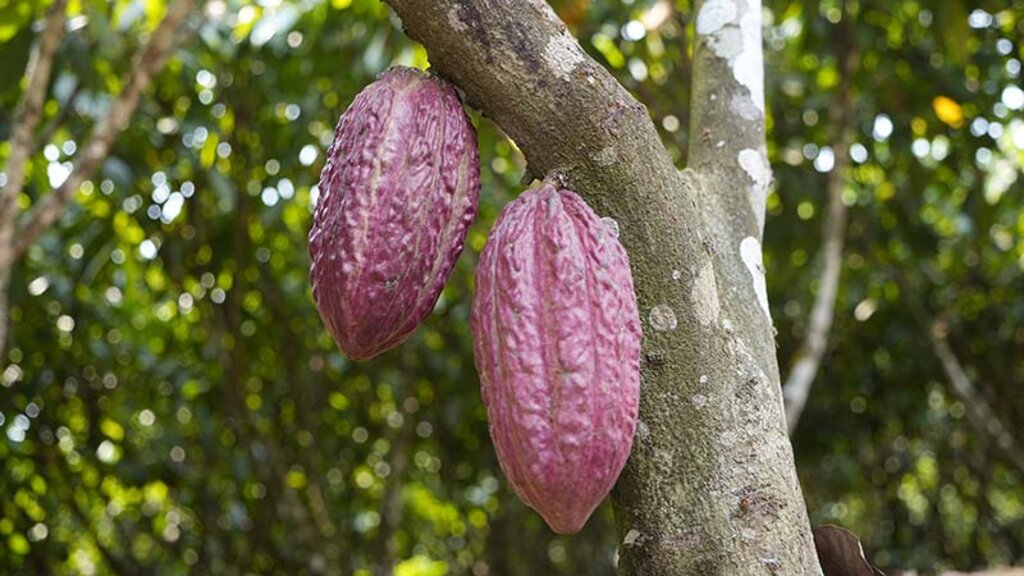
[727, 326]
[750, 253]
[677, 275]
[591, 80]
[699, 401]
[703, 378]
[562, 55]
[704, 296]
[748, 68]
[633, 537]
[729, 437]
[606, 156]
[734, 35]
[748, 534]
[643, 432]
[611, 225]
[662, 318]
[727, 44]
[720, 144]
[755, 164]
[714, 15]
[455, 20]
[742, 106]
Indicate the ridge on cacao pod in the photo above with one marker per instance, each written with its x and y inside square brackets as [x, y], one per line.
[556, 337]
[398, 192]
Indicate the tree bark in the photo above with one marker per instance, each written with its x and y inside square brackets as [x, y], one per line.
[711, 486]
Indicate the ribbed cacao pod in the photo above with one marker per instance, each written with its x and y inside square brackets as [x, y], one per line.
[397, 193]
[556, 335]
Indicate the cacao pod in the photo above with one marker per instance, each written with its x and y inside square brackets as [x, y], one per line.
[398, 191]
[556, 335]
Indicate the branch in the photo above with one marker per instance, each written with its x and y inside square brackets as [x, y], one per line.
[27, 116]
[980, 413]
[727, 140]
[46, 134]
[808, 358]
[842, 111]
[517, 63]
[145, 66]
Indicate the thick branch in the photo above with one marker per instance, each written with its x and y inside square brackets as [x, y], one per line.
[841, 115]
[517, 62]
[980, 413]
[727, 139]
[145, 66]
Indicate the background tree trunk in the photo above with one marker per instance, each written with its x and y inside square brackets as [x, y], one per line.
[711, 487]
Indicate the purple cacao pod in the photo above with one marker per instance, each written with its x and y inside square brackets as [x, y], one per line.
[556, 335]
[397, 193]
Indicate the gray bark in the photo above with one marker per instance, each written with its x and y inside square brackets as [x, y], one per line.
[711, 486]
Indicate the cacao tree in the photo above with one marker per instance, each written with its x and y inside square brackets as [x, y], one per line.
[711, 485]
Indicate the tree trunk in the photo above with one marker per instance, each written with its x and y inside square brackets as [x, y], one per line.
[711, 486]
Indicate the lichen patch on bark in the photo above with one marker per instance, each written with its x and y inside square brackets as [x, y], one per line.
[714, 15]
[753, 259]
[749, 66]
[662, 318]
[742, 106]
[611, 225]
[704, 295]
[562, 54]
[606, 156]
[455, 20]
[734, 34]
[755, 164]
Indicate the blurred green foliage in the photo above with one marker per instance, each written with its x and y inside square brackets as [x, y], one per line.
[171, 403]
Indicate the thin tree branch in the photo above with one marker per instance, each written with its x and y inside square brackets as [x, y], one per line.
[979, 411]
[30, 110]
[46, 134]
[842, 110]
[727, 115]
[146, 65]
[26, 117]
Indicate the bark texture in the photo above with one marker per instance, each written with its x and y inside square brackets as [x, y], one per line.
[710, 487]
